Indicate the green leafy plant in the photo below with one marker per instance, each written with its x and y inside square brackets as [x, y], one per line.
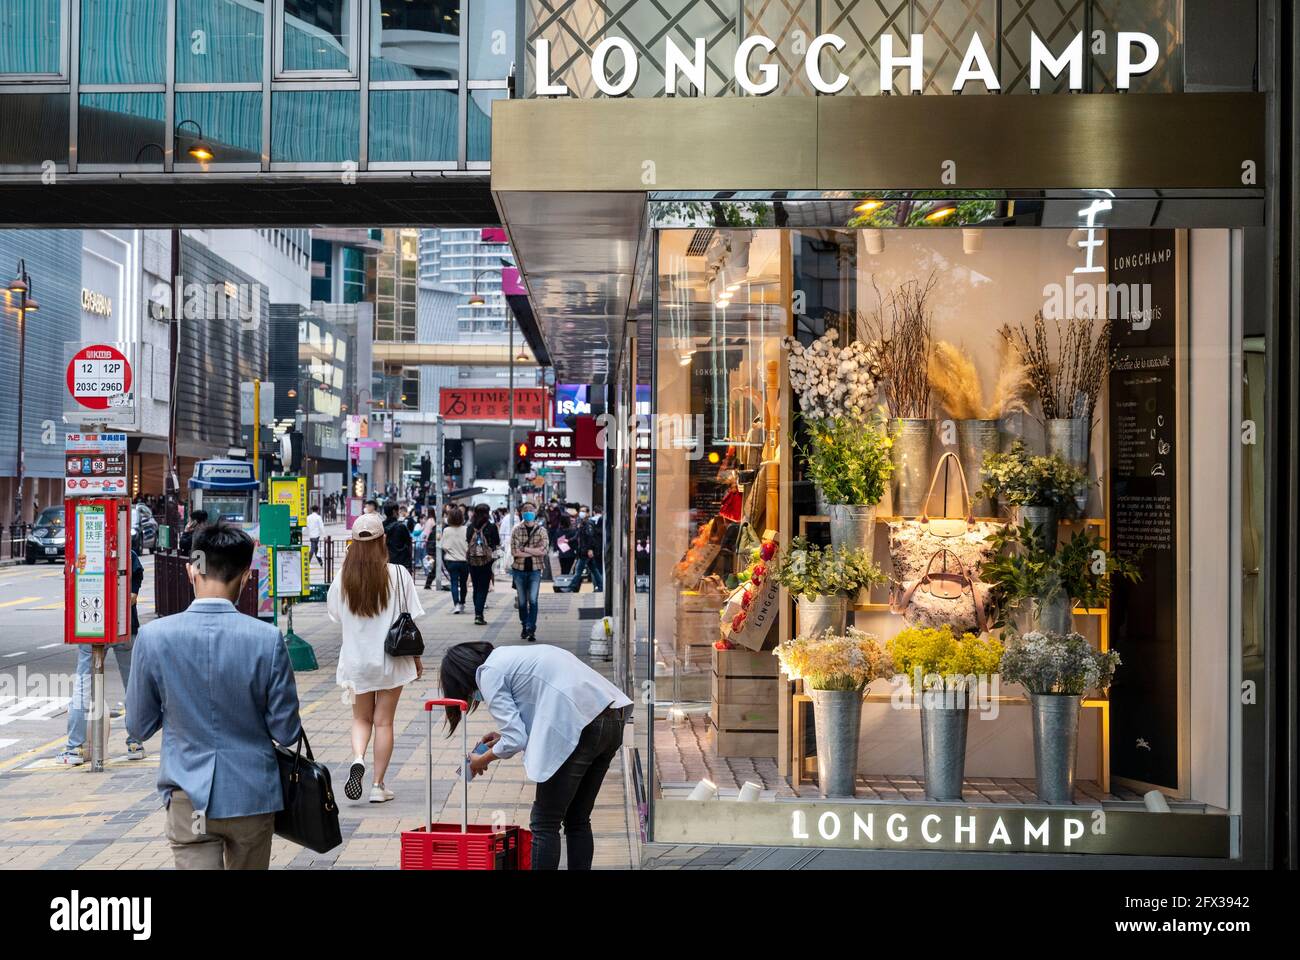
[934, 658]
[812, 571]
[848, 460]
[1058, 663]
[1081, 569]
[1027, 480]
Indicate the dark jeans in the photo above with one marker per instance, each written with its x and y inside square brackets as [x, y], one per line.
[566, 562]
[458, 574]
[568, 797]
[594, 566]
[528, 585]
[481, 577]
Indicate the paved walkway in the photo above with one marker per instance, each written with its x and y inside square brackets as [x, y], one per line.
[68, 817]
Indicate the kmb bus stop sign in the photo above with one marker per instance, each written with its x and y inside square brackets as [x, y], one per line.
[99, 382]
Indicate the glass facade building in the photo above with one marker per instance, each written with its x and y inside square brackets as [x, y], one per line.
[257, 85]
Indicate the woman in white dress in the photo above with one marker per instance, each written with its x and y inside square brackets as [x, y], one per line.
[366, 597]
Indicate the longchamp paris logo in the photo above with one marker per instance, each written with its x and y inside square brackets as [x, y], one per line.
[77, 914]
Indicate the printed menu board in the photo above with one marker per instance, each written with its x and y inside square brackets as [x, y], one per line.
[1142, 419]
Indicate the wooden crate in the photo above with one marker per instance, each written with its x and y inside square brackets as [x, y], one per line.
[697, 628]
[744, 703]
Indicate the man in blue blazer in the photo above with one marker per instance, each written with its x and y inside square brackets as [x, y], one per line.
[219, 685]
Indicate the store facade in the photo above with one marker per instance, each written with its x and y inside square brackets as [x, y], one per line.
[813, 297]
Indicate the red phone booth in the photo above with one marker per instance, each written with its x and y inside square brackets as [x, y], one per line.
[97, 571]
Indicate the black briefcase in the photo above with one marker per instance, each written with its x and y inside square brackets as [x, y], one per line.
[310, 817]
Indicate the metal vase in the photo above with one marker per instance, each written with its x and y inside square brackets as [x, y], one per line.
[816, 616]
[1054, 614]
[837, 715]
[853, 527]
[912, 467]
[1043, 520]
[1056, 739]
[1068, 438]
[945, 716]
[823, 508]
[975, 438]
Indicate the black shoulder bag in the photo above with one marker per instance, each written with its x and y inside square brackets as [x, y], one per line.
[404, 639]
[310, 817]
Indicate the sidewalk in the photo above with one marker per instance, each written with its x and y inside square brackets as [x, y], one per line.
[67, 817]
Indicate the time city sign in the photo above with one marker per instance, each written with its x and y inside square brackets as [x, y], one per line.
[1135, 54]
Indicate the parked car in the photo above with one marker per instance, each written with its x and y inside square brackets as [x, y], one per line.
[144, 529]
[46, 540]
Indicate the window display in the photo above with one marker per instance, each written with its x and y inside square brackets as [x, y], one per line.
[924, 537]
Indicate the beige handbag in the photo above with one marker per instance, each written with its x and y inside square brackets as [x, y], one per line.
[913, 543]
[949, 596]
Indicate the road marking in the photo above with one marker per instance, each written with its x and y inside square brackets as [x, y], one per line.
[14, 603]
[30, 708]
[51, 646]
[48, 606]
[24, 757]
[18, 654]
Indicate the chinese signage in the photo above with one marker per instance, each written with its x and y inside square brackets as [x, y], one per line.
[292, 493]
[94, 465]
[89, 545]
[491, 404]
[551, 445]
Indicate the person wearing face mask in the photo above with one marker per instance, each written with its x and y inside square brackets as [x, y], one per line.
[529, 544]
[590, 545]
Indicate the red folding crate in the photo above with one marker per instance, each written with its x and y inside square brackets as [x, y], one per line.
[449, 846]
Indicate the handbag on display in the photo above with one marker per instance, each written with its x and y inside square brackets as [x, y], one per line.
[310, 816]
[404, 638]
[951, 595]
[913, 543]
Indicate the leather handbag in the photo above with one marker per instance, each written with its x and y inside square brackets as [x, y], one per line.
[949, 596]
[913, 543]
[310, 817]
[404, 638]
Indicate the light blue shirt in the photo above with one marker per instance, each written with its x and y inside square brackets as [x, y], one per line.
[219, 686]
[542, 697]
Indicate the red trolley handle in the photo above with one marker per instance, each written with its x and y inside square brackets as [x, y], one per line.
[464, 739]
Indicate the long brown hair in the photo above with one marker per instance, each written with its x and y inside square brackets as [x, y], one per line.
[365, 577]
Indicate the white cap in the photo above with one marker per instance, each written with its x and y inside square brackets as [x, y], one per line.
[368, 526]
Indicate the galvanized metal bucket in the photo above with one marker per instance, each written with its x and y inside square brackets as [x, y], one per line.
[945, 716]
[1056, 740]
[1054, 614]
[853, 527]
[1043, 520]
[975, 438]
[1068, 438]
[912, 468]
[816, 616]
[837, 715]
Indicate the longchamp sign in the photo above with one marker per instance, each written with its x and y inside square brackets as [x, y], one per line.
[1135, 54]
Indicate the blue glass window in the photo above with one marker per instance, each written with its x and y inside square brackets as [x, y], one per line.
[319, 35]
[122, 41]
[491, 39]
[230, 121]
[219, 42]
[478, 132]
[413, 125]
[418, 40]
[315, 126]
[121, 128]
[34, 128]
[30, 35]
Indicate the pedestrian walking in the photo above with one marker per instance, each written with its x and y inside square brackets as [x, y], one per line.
[398, 536]
[590, 548]
[220, 687]
[567, 719]
[315, 531]
[197, 519]
[483, 544]
[455, 557]
[74, 751]
[529, 544]
[366, 597]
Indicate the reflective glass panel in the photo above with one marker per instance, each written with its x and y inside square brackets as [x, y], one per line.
[121, 128]
[219, 42]
[491, 39]
[478, 131]
[318, 35]
[413, 125]
[316, 126]
[34, 128]
[30, 34]
[229, 125]
[122, 41]
[416, 40]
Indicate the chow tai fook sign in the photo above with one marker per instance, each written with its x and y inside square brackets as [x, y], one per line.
[491, 404]
[551, 445]
[1135, 54]
[945, 827]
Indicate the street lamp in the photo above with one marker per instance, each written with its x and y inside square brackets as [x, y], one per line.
[21, 286]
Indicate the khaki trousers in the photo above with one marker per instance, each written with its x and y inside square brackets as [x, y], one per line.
[233, 843]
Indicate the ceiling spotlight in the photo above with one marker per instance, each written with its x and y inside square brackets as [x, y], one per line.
[869, 206]
[942, 212]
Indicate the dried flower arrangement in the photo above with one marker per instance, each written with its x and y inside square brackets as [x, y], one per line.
[1069, 379]
[831, 382]
[902, 326]
[956, 383]
[833, 661]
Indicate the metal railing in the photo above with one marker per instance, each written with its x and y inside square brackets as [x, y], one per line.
[13, 546]
[173, 591]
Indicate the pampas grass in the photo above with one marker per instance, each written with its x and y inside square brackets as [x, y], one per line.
[957, 383]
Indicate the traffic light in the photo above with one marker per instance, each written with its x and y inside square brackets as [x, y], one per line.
[521, 458]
